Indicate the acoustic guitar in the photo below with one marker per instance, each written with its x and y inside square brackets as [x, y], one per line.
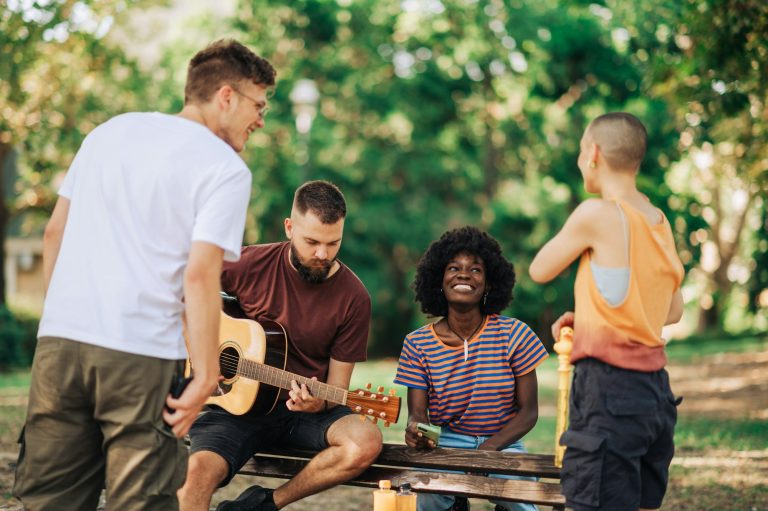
[252, 360]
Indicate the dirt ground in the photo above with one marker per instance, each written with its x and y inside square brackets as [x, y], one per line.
[720, 386]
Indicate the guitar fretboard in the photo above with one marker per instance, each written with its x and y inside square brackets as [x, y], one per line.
[282, 379]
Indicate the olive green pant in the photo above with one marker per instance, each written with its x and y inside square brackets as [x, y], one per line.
[94, 421]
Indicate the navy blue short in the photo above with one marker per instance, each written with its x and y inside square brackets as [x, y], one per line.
[620, 438]
[237, 437]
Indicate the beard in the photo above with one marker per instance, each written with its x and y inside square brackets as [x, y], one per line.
[312, 274]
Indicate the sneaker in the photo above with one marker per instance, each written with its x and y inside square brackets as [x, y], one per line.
[254, 498]
[460, 504]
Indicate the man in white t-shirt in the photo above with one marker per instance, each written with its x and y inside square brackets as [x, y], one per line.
[151, 206]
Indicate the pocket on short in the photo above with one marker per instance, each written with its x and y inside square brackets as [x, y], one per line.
[171, 470]
[582, 472]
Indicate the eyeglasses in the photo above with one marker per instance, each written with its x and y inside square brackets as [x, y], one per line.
[261, 110]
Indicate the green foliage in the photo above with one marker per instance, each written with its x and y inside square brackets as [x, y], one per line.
[18, 336]
[435, 115]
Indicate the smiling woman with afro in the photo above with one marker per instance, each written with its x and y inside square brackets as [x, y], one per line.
[500, 274]
[471, 372]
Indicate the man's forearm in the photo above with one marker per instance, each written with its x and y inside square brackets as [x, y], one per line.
[203, 309]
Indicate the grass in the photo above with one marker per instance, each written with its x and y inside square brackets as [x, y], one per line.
[694, 433]
[689, 350]
[706, 473]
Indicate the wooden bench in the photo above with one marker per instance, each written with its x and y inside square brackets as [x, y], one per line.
[420, 469]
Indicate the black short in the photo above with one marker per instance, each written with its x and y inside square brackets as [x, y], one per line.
[237, 437]
[620, 438]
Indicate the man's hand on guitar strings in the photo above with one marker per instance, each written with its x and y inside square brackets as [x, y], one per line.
[187, 406]
[301, 400]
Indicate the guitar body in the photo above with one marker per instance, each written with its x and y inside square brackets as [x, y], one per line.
[264, 342]
[252, 361]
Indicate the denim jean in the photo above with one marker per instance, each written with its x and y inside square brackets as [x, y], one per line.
[435, 502]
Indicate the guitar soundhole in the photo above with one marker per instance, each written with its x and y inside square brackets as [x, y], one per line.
[228, 360]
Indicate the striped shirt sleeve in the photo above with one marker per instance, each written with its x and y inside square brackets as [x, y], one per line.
[526, 351]
[410, 368]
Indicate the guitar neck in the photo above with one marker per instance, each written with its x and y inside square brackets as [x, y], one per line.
[282, 379]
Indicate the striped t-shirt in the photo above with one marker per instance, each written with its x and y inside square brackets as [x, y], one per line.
[476, 396]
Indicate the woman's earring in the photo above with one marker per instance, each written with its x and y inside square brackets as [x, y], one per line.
[593, 164]
[485, 298]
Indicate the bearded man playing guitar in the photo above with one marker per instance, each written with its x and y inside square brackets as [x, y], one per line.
[326, 312]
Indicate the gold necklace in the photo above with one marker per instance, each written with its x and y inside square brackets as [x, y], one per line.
[465, 339]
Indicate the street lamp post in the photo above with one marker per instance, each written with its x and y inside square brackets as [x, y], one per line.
[304, 97]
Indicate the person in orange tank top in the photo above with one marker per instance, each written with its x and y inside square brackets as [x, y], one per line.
[622, 410]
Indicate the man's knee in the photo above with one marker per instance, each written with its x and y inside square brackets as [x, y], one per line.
[362, 443]
[205, 471]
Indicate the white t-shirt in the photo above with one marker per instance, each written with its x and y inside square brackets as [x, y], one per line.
[143, 187]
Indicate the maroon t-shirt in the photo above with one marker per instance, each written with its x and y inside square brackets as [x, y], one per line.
[323, 321]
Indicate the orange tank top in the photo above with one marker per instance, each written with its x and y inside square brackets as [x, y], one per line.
[629, 334]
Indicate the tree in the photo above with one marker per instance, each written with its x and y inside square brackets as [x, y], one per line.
[707, 60]
[60, 81]
[435, 115]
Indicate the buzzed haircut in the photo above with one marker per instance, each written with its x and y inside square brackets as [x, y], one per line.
[322, 198]
[622, 139]
[223, 62]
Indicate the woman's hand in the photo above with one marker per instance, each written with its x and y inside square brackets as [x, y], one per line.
[564, 320]
[414, 438]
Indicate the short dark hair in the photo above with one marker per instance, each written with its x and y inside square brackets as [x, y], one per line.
[322, 198]
[225, 61]
[499, 272]
[622, 139]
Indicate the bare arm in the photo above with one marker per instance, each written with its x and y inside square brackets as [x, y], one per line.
[527, 389]
[301, 400]
[203, 309]
[675, 309]
[576, 236]
[54, 234]
[418, 403]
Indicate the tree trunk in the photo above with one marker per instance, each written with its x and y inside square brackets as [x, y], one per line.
[5, 151]
[709, 319]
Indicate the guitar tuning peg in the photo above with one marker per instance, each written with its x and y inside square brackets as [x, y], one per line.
[367, 386]
[362, 417]
[380, 389]
[382, 414]
[375, 420]
[386, 424]
[392, 392]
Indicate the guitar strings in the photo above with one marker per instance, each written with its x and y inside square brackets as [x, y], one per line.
[231, 363]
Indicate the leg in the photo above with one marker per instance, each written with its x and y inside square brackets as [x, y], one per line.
[146, 463]
[614, 420]
[439, 502]
[221, 443]
[61, 465]
[352, 446]
[514, 506]
[205, 472]
[654, 465]
[434, 502]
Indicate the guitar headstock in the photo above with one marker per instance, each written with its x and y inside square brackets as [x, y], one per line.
[377, 405]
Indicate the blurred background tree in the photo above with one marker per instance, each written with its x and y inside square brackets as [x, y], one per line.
[434, 114]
